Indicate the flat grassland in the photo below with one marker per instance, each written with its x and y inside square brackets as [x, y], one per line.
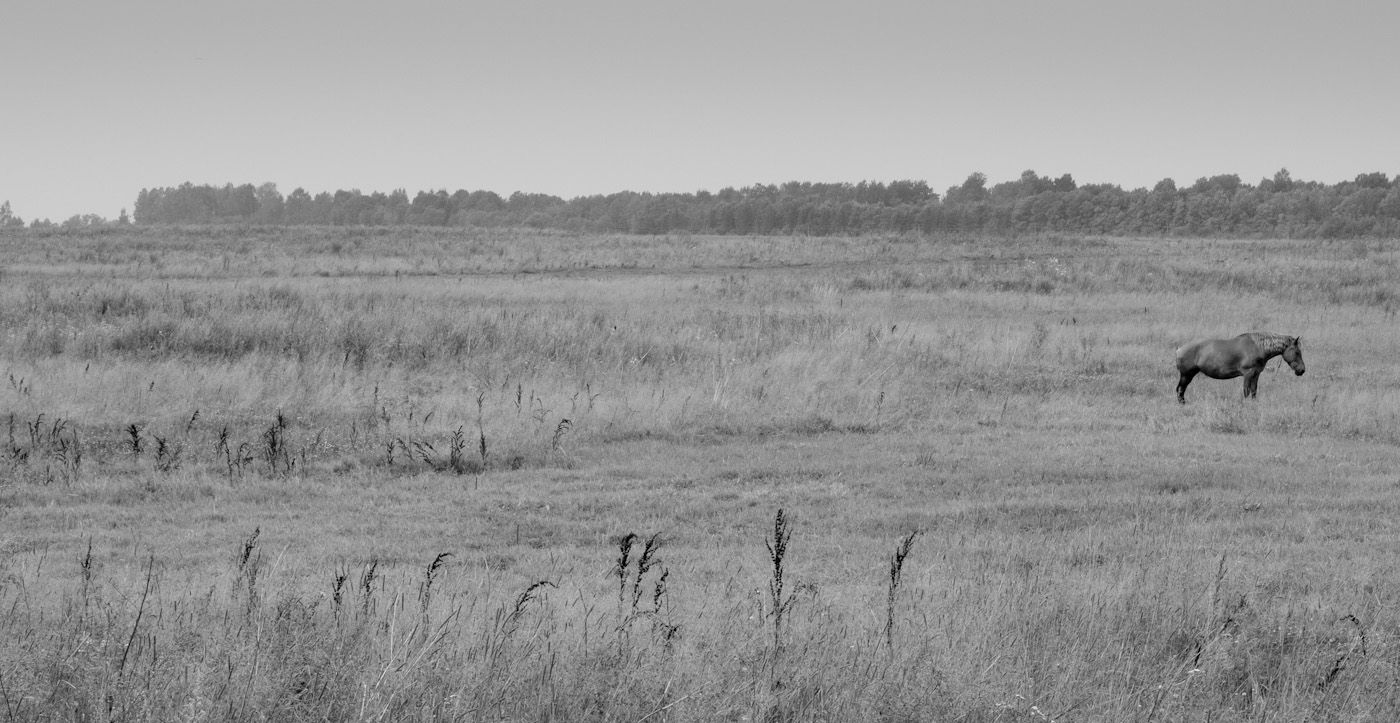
[412, 474]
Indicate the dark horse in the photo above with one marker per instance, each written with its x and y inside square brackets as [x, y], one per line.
[1244, 355]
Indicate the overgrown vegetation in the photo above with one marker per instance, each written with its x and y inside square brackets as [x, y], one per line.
[391, 474]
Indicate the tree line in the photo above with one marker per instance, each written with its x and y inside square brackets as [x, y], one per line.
[1219, 205]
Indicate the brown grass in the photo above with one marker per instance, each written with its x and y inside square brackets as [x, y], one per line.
[346, 474]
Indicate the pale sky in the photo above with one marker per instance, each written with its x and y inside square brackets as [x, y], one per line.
[578, 97]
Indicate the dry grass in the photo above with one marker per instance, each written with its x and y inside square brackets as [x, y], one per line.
[341, 474]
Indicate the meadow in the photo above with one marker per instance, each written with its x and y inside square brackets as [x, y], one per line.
[425, 474]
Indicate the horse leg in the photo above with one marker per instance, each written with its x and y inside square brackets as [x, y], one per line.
[1181, 385]
[1251, 383]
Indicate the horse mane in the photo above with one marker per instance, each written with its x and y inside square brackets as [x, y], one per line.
[1274, 343]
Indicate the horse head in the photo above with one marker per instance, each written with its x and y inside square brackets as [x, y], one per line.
[1293, 354]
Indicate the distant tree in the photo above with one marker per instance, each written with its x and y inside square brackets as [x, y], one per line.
[430, 208]
[144, 209]
[485, 201]
[909, 192]
[123, 219]
[1029, 184]
[973, 189]
[270, 206]
[1390, 205]
[236, 202]
[321, 208]
[8, 219]
[1159, 207]
[85, 220]
[376, 211]
[348, 207]
[397, 206]
[187, 203]
[1373, 180]
[1361, 203]
[866, 192]
[1065, 183]
[296, 209]
[1225, 183]
[758, 191]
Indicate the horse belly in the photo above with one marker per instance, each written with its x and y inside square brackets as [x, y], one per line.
[1210, 359]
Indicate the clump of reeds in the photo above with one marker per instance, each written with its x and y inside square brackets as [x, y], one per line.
[247, 566]
[481, 422]
[367, 580]
[275, 447]
[167, 455]
[456, 454]
[425, 589]
[47, 452]
[342, 573]
[235, 460]
[633, 576]
[559, 431]
[624, 557]
[645, 562]
[777, 554]
[523, 600]
[86, 567]
[425, 451]
[896, 574]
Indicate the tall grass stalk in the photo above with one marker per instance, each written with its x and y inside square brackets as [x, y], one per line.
[896, 575]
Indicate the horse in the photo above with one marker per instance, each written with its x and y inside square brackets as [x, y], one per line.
[1244, 355]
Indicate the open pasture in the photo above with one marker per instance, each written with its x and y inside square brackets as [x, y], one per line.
[375, 474]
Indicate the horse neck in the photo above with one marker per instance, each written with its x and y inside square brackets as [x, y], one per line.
[1271, 344]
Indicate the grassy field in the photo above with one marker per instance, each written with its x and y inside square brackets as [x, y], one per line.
[397, 474]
